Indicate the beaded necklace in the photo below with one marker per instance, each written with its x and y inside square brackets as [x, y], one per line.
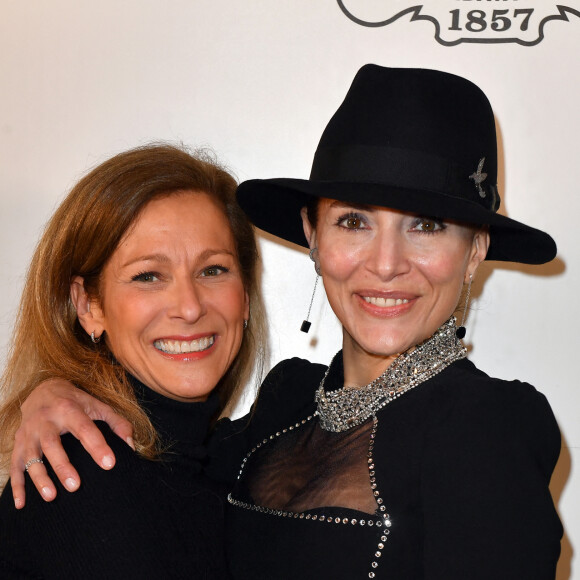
[348, 407]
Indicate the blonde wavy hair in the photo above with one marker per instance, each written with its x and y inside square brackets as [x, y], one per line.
[79, 239]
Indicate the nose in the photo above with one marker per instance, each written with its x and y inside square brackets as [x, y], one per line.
[186, 301]
[387, 254]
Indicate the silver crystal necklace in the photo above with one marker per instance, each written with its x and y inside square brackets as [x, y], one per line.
[348, 407]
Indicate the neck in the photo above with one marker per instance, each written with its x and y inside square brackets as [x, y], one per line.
[182, 426]
[360, 366]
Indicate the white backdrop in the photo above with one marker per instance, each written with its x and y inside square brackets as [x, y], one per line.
[258, 80]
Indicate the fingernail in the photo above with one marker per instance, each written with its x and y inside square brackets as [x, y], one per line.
[71, 484]
[47, 493]
[130, 443]
[18, 503]
[108, 462]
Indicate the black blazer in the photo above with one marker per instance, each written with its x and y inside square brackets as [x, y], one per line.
[463, 462]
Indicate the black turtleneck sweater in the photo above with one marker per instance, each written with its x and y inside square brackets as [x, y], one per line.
[142, 519]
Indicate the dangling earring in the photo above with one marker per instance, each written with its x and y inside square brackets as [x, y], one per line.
[245, 324]
[97, 339]
[460, 331]
[305, 327]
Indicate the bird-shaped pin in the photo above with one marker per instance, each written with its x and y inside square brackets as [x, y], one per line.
[479, 177]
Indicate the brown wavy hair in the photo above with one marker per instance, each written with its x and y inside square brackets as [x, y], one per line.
[79, 239]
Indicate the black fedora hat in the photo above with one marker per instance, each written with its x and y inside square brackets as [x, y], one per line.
[414, 140]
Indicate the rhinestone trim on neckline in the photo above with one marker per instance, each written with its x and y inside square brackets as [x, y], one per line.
[348, 407]
[380, 519]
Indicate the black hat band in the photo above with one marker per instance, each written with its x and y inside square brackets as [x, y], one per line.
[402, 168]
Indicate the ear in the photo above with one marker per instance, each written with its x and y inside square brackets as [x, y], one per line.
[309, 230]
[89, 312]
[479, 248]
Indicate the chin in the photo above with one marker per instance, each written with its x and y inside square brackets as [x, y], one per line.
[391, 340]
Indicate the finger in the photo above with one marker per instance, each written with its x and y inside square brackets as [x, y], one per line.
[119, 425]
[17, 461]
[21, 454]
[55, 454]
[122, 428]
[17, 484]
[93, 441]
[44, 485]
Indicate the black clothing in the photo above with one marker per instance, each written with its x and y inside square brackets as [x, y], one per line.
[461, 465]
[142, 519]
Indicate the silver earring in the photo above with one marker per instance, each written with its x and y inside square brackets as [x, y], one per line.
[460, 332]
[306, 324]
[245, 324]
[97, 339]
[313, 258]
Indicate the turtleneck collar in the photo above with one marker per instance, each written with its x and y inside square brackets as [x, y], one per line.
[182, 427]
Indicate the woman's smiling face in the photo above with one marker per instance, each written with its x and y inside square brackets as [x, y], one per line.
[392, 278]
[173, 300]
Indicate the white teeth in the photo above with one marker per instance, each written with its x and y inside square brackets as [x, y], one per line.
[385, 302]
[181, 346]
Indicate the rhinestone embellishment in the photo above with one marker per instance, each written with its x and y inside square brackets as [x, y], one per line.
[348, 407]
[479, 177]
[379, 522]
[386, 520]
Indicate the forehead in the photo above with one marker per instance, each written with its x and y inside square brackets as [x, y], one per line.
[191, 219]
[197, 201]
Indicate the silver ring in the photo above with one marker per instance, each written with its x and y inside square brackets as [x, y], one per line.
[32, 461]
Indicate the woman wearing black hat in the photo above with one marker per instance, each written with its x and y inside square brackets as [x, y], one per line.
[401, 460]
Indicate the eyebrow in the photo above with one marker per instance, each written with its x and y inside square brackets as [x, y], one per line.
[147, 258]
[163, 259]
[344, 204]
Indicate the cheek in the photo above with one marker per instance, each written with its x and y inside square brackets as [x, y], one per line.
[444, 268]
[128, 313]
[441, 272]
[338, 267]
[338, 263]
[230, 304]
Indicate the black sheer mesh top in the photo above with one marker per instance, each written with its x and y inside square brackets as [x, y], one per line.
[302, 468]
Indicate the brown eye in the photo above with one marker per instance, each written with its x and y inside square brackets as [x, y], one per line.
[212, 271]
[352, 221]
[145, 277]
[428, 225]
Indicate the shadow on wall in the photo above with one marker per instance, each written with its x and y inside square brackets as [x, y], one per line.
[557, 485]
[563, 468]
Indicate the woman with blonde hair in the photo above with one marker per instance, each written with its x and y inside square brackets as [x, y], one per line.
[140, 292]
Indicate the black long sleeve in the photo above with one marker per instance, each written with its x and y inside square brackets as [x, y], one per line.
[462, 462]
[142, 519]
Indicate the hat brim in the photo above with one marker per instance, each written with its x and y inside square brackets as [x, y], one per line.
[274, 205]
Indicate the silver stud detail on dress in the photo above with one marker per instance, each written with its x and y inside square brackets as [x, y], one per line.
[385, 521]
